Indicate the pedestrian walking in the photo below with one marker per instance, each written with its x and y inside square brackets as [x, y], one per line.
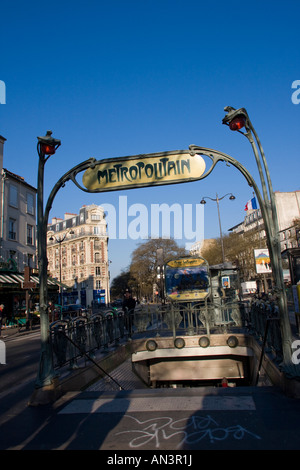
[2, 317]
[128, 308]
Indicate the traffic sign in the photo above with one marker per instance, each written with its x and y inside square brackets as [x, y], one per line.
[28, 285]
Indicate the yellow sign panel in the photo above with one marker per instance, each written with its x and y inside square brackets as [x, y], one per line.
[188, 296]
[144, 170]
[186, 262]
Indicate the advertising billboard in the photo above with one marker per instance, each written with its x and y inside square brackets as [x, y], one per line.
[262, 261]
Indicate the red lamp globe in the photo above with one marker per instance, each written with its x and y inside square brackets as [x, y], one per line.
[237, 123]
[48, 149]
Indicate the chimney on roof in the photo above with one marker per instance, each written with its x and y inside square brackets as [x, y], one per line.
[56, 220]
[69, 215]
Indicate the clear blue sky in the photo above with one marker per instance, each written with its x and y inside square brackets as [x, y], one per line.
[115, 78]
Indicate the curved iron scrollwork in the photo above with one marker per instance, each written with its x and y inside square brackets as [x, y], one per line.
[214, 156]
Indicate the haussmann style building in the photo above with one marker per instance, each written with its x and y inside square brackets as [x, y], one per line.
[17, 241]
[77, 250]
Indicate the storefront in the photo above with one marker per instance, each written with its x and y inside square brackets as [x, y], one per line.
[13, 293]
[99, 297]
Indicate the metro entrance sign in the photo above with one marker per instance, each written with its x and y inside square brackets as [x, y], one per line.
[151, 170]
[144, 170]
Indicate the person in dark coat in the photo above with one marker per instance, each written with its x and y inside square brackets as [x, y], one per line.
[128, 307]
[2, 317]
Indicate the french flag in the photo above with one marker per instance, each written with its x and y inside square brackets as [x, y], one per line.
[251, 205]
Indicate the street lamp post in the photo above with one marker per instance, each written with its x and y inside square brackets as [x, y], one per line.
[60, 240]
[107, 283]
[46, 147]
[217, 200]
[237, 120]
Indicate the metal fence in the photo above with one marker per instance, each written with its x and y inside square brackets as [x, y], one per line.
[263, 323]
[73, 338]
[188, 318]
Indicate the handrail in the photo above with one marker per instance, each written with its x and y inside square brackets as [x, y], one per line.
[92, 360]
[268, 320]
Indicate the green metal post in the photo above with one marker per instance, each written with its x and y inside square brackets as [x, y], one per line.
[45, 376]
[271, 224]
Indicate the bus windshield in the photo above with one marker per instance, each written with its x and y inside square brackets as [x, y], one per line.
[187, 279]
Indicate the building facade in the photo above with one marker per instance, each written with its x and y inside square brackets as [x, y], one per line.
[288, 212]
[17, 219]
[77, 250]
[252, 229]
[17, 242]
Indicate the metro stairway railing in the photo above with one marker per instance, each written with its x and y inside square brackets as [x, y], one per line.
[107, 328]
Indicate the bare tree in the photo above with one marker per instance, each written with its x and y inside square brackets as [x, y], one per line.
[119, 284]
[143, 268]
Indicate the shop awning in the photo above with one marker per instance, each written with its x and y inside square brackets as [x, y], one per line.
[17, 279]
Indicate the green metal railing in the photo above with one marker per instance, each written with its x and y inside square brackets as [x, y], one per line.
[73, 338]
[76, 338]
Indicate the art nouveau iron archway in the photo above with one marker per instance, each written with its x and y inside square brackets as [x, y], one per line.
[140, 171]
